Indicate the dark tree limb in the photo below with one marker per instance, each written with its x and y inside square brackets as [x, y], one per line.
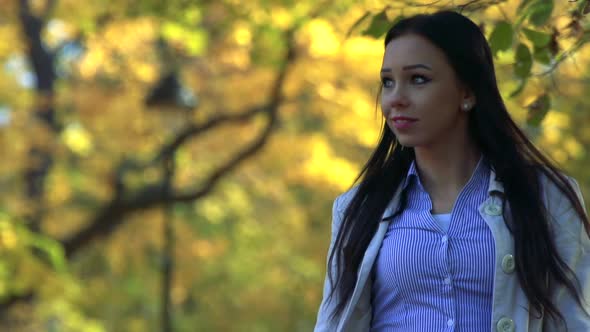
[168, 259]
[189, 133]
[112, 215]
[40, 157]
[194, 130]
[41, 58]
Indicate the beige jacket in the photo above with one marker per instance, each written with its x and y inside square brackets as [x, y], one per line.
[510, 306]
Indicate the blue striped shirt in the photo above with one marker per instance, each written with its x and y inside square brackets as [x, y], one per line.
[426, 279]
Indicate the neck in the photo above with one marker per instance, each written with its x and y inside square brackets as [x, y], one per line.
[445, 169]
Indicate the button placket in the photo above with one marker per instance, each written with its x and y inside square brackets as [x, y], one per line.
[450, 322]
[446, 278]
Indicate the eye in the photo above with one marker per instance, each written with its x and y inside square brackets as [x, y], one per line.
[420, 79]
[386, 82]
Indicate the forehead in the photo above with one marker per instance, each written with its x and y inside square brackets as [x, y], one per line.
[411, 49]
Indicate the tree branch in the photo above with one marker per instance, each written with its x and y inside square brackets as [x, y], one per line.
[566, 54]
[477, 5]
[41, 58]
[40, 158]
[192, 131]
[112, 215]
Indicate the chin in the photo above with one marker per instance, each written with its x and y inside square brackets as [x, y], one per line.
[407, 143]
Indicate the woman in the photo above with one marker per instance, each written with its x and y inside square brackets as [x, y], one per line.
[459, 223]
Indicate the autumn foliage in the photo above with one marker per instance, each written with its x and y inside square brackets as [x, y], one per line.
[171, 165]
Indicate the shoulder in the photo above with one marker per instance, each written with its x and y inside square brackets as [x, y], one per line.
[343, 200]
[551, 189]
[556, 201]
[340, 204]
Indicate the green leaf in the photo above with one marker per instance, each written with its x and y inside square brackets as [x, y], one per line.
[357, 23]
[542, 55]
[523, 5]
[540, 11]
[266, 50]
[501, 37]
[519, 88]
[524, 61]
[538, 109]
[379, 26]
[193, 39]
[539, 39]
[584, 7]
[585, 37]
[52, 249]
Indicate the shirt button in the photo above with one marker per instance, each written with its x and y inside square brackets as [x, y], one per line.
[447, 280]
[508, 264]
[445, 239]
[450, 322]
[505, 324]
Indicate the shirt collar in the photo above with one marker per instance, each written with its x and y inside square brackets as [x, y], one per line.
[411, 174]
[494, 184]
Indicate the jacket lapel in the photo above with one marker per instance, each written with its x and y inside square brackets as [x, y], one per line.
[369, 259]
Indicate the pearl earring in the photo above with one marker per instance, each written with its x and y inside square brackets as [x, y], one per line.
[466, 106]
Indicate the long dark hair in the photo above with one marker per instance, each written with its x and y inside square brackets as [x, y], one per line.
[507, 150]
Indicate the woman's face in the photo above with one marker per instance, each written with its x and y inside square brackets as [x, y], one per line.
[421, 97]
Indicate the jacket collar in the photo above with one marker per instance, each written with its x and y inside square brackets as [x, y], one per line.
[495, 185]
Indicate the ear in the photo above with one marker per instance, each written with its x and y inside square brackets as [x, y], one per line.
[468, 96]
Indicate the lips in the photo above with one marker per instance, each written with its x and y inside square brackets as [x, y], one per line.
[403, 122]
[403, 119]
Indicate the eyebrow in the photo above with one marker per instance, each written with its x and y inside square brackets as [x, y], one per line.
[418, 65]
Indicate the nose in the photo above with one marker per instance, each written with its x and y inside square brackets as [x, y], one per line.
[393, 100]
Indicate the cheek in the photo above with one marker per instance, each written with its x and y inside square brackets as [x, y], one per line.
[432, 95]
[441, 102]
[382, 104]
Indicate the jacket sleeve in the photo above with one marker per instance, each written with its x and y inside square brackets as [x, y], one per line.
[573, 246]
[324, 323]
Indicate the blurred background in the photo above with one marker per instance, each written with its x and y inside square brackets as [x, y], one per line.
[171, 165]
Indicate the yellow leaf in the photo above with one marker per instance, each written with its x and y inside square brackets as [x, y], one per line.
[322, 39]
[77, 139]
